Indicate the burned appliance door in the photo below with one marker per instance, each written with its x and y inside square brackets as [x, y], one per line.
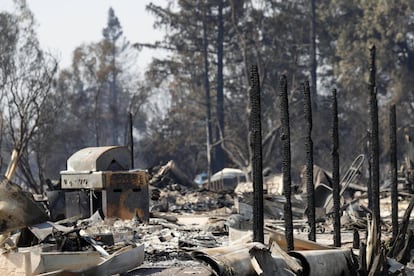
[126, 195]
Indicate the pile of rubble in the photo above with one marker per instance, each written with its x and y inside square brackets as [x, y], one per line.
[192, 230]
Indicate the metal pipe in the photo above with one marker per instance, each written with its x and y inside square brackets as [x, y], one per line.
[228, 260]
[326, 262]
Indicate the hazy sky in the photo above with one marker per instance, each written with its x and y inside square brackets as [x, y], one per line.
[65, 24]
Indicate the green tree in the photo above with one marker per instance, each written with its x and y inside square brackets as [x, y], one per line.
[350, 28]
[112, 34]
[250, 37]
[186, 76]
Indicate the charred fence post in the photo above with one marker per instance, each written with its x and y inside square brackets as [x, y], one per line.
[310, 190]
[394, 179]
[374, 141]
[256, 147]
[335, 171]
[285, 137]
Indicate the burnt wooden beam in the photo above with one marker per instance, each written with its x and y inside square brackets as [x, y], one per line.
[373, 110]
[369, 183]
[356, 239]
[310, 189]
[256, 148]
[131, 138]
[394, 169]
[286, 166]
[335, 172]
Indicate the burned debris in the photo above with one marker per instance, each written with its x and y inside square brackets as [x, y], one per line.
[18, 208]
[195, 230]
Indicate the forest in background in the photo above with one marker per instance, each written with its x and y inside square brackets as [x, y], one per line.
[197, 93]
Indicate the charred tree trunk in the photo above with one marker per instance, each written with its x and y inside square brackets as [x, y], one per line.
[209, 136]
[313, 49]
[335, 172]
[310, 189]
[114, 99]
[256, 147]
[286, 167]
[219, 152]
[394, 178]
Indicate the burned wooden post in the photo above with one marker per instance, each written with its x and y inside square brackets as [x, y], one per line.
[131, 139]
[310, 189]
[369, 184]
[363, 259]
[335, 171]
[394, 177]
[256, 148]
[356, 239]
[285, 137]
[374, 152]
